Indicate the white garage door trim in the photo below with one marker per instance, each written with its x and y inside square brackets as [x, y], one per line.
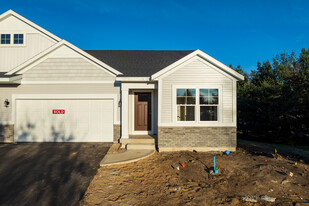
[63, 96]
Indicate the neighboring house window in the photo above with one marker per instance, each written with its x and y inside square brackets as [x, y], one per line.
[186, 101]
[18, 38]
[5, 38]
[190, 108]
[209, 104]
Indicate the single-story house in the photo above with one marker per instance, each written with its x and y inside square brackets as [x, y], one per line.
[52, 91]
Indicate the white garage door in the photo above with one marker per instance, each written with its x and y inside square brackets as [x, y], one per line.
[64, 120]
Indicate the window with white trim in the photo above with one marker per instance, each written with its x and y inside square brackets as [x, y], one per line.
[201, 109]
[209, 104]
[186, 101]
[18, 38]
[5, 38]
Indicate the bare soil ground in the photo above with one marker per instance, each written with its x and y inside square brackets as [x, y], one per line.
[245, 173]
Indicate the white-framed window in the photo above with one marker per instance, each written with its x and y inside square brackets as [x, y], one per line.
[186, 102]
[198, 104]
[209, 101]
[12, 39]
[18, 38]
[5, 38]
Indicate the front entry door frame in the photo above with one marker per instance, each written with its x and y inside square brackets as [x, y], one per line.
[133, 113]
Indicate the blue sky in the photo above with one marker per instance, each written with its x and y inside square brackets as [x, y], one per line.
[234, 32]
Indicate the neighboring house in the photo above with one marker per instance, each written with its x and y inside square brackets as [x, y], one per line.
[52, 91]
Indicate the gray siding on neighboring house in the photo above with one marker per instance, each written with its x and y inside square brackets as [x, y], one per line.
[11, 56]
[197, 72]
[7, 91]
[66, 69]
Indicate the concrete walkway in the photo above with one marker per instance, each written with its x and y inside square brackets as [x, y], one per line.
[127, 156]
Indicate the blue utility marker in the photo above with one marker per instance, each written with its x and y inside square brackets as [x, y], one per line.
[215, 170]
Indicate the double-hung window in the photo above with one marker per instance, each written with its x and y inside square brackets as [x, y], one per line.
[209, 104]
[186, 102]
[197, 104]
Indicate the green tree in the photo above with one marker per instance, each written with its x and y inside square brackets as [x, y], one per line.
[273, 101]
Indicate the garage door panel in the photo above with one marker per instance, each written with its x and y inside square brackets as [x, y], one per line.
[83, 121]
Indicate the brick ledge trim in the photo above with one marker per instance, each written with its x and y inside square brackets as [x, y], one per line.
[198, 149]
[196, 126]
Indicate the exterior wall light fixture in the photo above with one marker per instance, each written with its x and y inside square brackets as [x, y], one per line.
[6, 103]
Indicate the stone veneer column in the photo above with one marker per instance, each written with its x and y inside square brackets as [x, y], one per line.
[6, 133]
[116, 133]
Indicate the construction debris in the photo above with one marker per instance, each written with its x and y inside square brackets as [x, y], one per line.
[241, 179]
[249, 198]
[267, 198]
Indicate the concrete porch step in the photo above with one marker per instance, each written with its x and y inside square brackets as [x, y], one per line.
[137, 141]
[135, 146]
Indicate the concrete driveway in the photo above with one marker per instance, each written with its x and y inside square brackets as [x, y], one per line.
[47, 173]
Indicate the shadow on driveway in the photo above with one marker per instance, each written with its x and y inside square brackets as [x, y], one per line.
[47, 173]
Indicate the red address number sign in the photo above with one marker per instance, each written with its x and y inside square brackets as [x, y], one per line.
[58, 111]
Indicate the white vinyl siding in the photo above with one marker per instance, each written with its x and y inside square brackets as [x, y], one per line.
[6, 93]
[197, 72]
[12, 56]
[66, 69]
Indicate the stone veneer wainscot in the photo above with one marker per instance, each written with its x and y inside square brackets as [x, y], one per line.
[197, 138]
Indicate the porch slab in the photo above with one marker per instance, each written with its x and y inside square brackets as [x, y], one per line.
[142, 137]
[125, 157]
[138, 139]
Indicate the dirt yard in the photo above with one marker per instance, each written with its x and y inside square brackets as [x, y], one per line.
[242, 175]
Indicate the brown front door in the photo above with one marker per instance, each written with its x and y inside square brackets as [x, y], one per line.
[142, 111]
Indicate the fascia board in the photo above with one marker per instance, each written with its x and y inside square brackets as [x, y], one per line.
[203, 55]
[133, 79]
[212, 60]
[20, 68]
[33, 59]
[111, 69]
[175, 64]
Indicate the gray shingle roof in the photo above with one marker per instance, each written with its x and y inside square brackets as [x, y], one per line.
[138, 63]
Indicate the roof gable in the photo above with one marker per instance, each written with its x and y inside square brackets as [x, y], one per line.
[206, 57]
[66, 69]
[78, 52]
[10, 13]
[198, 70]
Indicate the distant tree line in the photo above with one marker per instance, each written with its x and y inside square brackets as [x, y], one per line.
[273, 100]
